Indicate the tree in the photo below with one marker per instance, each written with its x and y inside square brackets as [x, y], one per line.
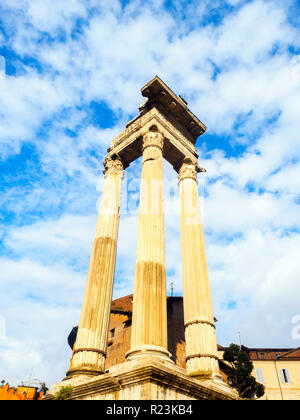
[43, 388]
[239, 373]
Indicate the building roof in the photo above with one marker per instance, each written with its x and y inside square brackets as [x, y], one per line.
[161, 96]
[275, 353]
[291, 354]
[123, 304]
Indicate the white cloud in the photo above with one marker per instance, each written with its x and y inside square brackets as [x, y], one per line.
[286, 180]
[250, 33]
[54, 238]
[40, 305]
[228, 210]
[260, 272]
[26, 102]
[49, 14]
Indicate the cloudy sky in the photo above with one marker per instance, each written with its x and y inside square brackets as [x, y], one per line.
[70, 79]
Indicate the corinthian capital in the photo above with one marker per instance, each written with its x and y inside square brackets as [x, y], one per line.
[113, 166]
[154, 139]
[152, 145]
[188, 170]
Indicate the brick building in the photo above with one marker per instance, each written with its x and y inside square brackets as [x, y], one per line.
[120, 330]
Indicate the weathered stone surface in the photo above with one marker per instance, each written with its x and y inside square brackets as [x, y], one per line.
[91, 343]
[201, 345]
[149, 319]
[144, 379]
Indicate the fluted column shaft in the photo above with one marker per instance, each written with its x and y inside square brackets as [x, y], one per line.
[200, 338]
[91, 342]
[149, 323]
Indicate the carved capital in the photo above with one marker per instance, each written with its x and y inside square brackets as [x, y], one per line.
[153, 139]
[188, 170]
[153, 142]
[113, 166]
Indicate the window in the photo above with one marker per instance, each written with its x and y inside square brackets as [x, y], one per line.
[260, 376]
[285, 376]
[261, 356]
[112, 333]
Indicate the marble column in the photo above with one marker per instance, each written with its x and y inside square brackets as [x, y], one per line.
[149, 323]
[200, 338]
[91, 343]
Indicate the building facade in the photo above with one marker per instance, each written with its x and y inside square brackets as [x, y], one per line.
[278, 369]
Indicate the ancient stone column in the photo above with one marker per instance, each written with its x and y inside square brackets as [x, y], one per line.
[91, 342]
[149, 323]
[200, 338]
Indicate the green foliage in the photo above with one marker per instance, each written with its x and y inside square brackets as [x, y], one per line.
[239, 373]
[64, 393]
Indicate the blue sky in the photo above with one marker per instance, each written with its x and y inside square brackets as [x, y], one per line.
[70, 80]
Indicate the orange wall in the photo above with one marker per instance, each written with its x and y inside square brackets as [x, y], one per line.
[21, 393]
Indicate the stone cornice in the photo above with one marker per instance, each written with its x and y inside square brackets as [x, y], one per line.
[128, 144]
[173, 106]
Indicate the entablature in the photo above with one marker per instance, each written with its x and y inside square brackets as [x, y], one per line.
[128, 144]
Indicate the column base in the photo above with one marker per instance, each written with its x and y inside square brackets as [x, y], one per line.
[216, 377]
[144, 379]
[217, 380]
[149, 350]
[82, 372]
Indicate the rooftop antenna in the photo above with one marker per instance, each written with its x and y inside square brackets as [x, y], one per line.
[29, 378]
[240, 339]
[172, 288]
